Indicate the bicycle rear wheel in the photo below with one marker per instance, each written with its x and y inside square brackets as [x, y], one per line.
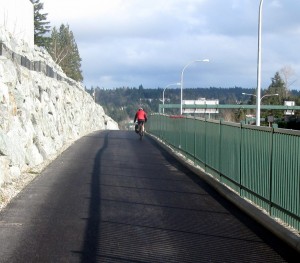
[141, 133]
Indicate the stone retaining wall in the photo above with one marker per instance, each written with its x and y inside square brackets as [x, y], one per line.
[39, 113]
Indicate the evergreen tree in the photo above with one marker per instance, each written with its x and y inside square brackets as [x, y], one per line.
[41, 26]
[64, 51]
[277, 86]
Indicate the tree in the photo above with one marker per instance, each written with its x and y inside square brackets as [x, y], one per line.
[40, 24]
[276, 87]
[287, 72]
[64, 51]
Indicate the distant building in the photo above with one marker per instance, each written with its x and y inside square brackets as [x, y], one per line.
[200, 101]
[17, 17]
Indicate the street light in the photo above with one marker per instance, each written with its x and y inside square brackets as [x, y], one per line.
[259, 66]
[172, 84]
[266, 95]
[259, 102]
[181, 82]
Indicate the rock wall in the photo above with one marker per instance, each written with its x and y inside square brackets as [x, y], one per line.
[41, 110]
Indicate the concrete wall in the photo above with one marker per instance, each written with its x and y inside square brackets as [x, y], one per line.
[17, 17]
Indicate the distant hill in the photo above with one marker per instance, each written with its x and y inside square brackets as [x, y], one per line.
[122, 103]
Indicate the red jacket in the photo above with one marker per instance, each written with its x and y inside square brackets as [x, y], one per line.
[140, 116]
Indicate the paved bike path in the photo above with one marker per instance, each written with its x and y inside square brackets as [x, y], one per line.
[113, 198]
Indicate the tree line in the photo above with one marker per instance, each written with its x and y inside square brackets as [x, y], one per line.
[59, 42]
[122, 103]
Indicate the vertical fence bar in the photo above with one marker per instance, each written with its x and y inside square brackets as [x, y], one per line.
[256, 157]
[190, 137]
[212, 147]
[286, 177]
[230, 155]
[200, 126]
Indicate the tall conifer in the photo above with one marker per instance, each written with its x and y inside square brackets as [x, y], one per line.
[64, 51]
[41, 27]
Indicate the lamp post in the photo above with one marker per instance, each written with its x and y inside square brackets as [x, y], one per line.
[172, 84]
[258, 94]
[181, 82]
[266, 95]
[258, 101]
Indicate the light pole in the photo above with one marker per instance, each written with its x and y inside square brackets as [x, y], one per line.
[172, 84]
[181, 82]
[266, 95]
[258, 94]
[258, 101]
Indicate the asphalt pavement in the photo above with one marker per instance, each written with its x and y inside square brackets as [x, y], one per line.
[113, 198]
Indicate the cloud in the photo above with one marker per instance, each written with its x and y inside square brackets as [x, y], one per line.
[133, 42]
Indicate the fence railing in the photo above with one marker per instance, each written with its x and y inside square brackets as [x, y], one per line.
[261, 164]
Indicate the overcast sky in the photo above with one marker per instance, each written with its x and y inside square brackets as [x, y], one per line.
[149, 42]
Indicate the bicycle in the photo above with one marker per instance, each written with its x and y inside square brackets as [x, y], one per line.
[141, 130]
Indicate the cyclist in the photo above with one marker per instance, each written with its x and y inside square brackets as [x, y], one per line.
[141, 118]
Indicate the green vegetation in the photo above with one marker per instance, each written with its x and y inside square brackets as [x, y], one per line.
[61, 44]
[122, 103]
[41, 26]
[64, 51]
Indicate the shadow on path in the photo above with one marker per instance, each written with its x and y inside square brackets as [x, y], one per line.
[92, 233]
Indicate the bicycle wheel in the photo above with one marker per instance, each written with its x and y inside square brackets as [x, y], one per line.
[141, 135]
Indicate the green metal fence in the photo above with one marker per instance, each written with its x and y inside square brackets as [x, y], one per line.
[261, 164]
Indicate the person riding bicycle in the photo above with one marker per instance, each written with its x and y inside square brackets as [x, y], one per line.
[140, 117]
